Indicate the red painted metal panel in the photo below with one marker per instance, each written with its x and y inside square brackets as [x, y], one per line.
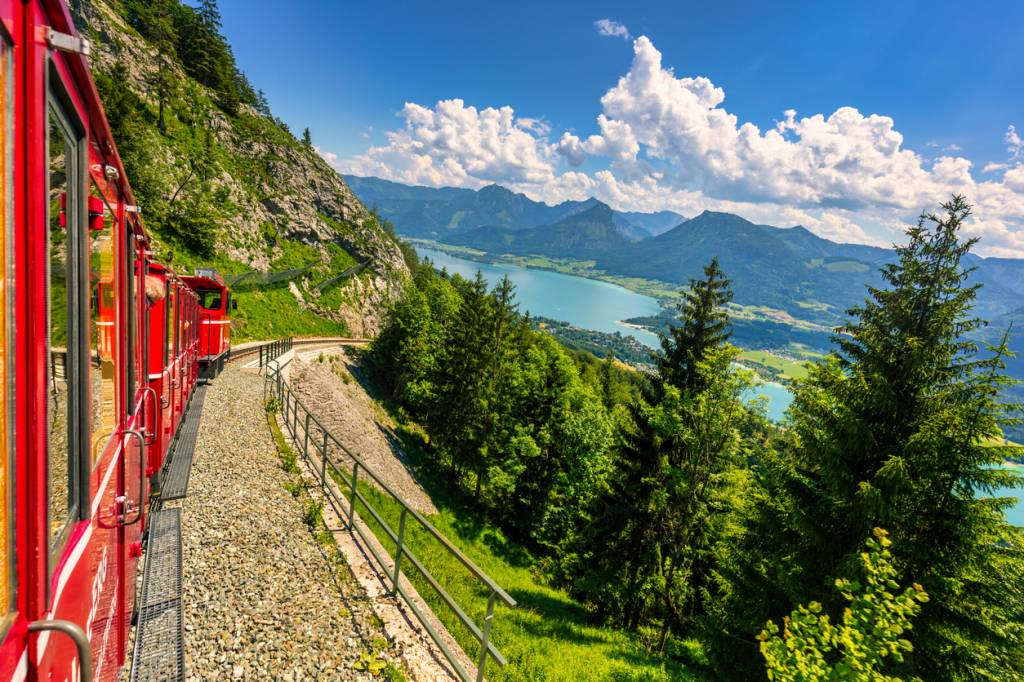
[92, 582]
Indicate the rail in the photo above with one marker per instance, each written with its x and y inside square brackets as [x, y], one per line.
[315, 441]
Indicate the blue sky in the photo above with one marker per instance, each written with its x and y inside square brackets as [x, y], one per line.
[943, 84]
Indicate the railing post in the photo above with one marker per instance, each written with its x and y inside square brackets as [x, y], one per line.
[305, 439]
[323, 465]
[486, 638]
[295, 420]
[398, 552]
[352, 500]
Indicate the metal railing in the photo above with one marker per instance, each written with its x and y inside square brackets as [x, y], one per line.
[315, 443]
[273, 350]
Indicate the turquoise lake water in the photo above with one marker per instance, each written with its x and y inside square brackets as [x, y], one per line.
[1014, 515]
[585, 303]
[592, 304]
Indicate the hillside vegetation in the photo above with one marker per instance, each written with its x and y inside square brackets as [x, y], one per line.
[222, 182]
[792, 287]
[668, 509]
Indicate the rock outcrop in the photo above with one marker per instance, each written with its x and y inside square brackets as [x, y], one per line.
[270, 188]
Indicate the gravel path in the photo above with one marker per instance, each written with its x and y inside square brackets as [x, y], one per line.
[262, 599]
[323, 380]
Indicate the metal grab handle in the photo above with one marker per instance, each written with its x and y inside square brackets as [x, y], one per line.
[165, 402]
[77, 635]
[142, 478]
[150, 437]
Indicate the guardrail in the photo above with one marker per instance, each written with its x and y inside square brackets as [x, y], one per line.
[273, 350]
[314, 441]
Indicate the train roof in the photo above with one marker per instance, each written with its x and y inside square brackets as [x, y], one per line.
[102, 141]
[205, 279]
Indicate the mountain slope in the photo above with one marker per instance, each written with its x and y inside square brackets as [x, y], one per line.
[585, 235]
[220, 180]
[653, 223]
[437, 213]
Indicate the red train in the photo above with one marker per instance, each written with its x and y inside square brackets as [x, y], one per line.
[215, 306]
[100, 351]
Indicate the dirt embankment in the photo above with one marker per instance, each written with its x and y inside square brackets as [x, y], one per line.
[324, 382]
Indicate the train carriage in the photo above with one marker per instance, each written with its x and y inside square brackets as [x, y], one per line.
[215, 307]
[99, 356]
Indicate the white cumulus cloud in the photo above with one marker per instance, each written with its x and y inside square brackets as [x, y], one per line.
[455, 144]
[664, 141]
[612, 29]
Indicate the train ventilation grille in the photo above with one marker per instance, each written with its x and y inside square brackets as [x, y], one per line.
[175, 484]
[159, 636]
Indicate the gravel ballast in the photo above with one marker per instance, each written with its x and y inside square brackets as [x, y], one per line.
[262, 599]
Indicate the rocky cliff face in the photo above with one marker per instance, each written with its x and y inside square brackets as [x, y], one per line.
[272, 198]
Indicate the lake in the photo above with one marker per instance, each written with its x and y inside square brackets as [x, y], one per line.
[592, 304]
[1014, 515]
[582, 302]
[585, 303]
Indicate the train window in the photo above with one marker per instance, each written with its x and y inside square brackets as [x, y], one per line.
[172, 299]
[102, 302]
[64, 394]
[131, 280]
[210, 298]
[7, 563]
[177, 322]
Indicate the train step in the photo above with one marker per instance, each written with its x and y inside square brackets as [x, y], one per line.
[159, 635]
[175, 483]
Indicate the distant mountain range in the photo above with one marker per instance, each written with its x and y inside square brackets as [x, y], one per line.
[772, 269]
[789, 269]
[437, 213]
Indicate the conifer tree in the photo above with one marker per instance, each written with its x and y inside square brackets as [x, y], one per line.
[703, 324]
[896, 429]
[461, 411]
[307, 138]
[683, 440]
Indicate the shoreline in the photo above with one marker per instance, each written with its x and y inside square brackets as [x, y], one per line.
[509, 259]
[638, 327]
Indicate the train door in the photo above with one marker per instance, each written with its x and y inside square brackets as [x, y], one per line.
[75, 443]
[13, 503]
[156, 293]
[169, 356]
[142, 400]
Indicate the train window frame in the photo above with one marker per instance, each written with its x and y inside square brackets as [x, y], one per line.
[111, 214]
[60, 105]
[167, 319]
[8, 297]
[177, 323]
[128, 234]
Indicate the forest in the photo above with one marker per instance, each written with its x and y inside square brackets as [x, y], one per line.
[857, 540]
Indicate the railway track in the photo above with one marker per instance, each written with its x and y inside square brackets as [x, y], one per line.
[250, 348]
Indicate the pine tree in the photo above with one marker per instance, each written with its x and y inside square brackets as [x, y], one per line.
[461, 414]
[895, 430]
[683, 439]
[307, 138]
[703, 324]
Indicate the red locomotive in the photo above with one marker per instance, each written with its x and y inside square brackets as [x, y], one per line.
[215, 306]
[100, 351]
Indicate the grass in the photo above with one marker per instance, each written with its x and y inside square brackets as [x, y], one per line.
[785, 368]
[273, 313]
[548, 636]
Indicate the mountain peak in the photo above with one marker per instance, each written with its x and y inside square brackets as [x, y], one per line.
[495, 188]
